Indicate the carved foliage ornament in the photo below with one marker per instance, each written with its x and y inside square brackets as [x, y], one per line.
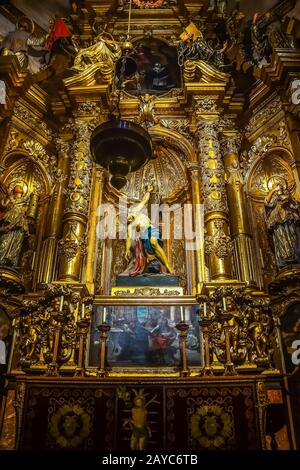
[263, 116]
[146, 292]
[250, 325]
[28, 117]
[178, 125]
[213, 176]
[220, 244]
[35, 150]
[71, 244]
[262, 145]
[205, 104]
[78, 191]
[231, 144]
[37, 320]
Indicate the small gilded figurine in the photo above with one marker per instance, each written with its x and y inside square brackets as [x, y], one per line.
[283, 223]
[193, 46]
[104, 53]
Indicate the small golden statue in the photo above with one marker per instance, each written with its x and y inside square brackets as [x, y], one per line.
[16, 224]
[259, 329]
[283, 222]
[148, 244]
[104, 53]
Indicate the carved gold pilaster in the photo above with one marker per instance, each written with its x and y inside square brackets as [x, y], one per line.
[239, 221]
[72, 246]
[202, 274]
[90, 265]
[218, 245]
[49, 251]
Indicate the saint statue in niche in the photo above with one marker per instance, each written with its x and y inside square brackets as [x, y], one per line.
[18, 213]
[144, 246]
[283, 223]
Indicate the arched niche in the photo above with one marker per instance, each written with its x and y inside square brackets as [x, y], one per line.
[170, 171]
[19, 166]
[23, 170]
[274, 166]
[265, 171]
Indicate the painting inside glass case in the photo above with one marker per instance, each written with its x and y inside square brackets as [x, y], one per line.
[145, 336]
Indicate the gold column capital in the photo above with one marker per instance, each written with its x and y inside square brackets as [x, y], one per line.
[231, 142]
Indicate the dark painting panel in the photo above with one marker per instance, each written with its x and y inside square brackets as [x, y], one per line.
[156, 71]
[145, 336]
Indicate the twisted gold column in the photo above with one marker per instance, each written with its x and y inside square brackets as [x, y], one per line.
[218, 245]
[239, 222]
[49, 250]
[73, 242]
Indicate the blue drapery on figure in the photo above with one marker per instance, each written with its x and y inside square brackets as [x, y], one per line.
[146, 235]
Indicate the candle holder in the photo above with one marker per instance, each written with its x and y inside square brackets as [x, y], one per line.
[205, 324]
[53, 366]
[104, 329]
[82, 330]
[229, 368]
[183, 327]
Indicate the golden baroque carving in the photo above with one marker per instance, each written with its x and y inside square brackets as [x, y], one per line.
[30, 119]
[89, 108]
[146, 292]
[263, 115]
[71, 243]
[278, 137]
[179, 125]
[37, 151]
[37, 322]
[220, 243]
[231, 144]
[78, 192]
[179, 261]
[213, 177]
[204, 104]
[249, 324]
[146, 115]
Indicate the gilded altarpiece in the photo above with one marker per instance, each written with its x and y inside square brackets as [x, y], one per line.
[193, 350]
